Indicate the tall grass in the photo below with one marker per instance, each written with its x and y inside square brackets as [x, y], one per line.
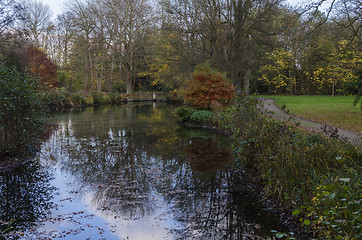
[317, 178]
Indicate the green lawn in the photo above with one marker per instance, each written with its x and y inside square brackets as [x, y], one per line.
[337, 111]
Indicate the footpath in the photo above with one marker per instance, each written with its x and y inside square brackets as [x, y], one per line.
[316, 127]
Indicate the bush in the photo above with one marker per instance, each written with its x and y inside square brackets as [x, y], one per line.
[117, 98]
[100, 98]
[176, 96]
[55, 98]
[119, 87]
[88, 99]
[20, 111]
[184, 113]
[77, 99]
[67, 81]
[201, 117]
[317, 177]
[207, 87]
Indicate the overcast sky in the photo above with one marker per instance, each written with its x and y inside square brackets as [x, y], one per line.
[56, 5]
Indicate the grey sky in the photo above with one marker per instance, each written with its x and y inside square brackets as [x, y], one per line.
[56, 5]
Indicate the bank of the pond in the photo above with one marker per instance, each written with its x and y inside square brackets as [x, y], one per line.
[314, 178]
[58, 98]
[250, 181]
[312, 182]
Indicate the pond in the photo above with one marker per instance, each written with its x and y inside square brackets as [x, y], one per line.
[131, 172]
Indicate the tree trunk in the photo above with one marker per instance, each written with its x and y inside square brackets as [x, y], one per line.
[333, 84]
[86, 79]
[90, 67]
[246, 84]
[129, 85]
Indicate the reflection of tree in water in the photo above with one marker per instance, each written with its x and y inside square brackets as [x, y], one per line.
[111, 156]
[209, 201]
[25, 195]
[127, 153]
[112, 165]
[213, 206]
[206, 155]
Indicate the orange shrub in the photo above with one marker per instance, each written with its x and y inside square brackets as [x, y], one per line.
[41, 67]
[208, 87]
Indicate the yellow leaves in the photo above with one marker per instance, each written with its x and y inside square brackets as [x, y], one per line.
[277, 73]
[155, 82]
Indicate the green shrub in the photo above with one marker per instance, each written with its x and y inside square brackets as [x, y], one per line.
[100, 98]
[176, 95]
[202, 117]
[21, 118]
[55, 98]
[317, 177]
[184, 113]
[77, 99]
[117, 98]
[88, 99]
[119, 87]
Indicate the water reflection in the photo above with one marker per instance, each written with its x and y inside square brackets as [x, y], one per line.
[25, 195]
[134, 166]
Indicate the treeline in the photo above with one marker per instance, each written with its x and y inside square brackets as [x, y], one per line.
[121, 46]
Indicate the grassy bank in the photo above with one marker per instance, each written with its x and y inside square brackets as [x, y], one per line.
[58, 98]
[337, 111]
[317, 179]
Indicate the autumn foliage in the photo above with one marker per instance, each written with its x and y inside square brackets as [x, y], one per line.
[41, 67]
[207, 88]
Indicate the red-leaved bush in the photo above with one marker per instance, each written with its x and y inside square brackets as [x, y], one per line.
[41, 67]
[207, 87]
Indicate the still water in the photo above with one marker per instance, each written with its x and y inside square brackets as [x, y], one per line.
[131, 172]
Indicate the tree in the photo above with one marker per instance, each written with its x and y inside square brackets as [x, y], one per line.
[135, 17]
[163, 61]
[346, 13]
[37, 20]
[208, 87]
[41, 67]
[332, 64]
[250, 26]
[66, 32]
[279, 72]
[20, 111]
[84, 23]
[316, 58]
[10, 11]
[228, 33]
[343, 66]
[79, 64]
[12, 50]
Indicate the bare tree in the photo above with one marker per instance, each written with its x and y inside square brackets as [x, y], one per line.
[84, 23]
[349, 16]
[10, 11]
[229, 32]
[124, 22]
[346, 13]
[65, 33]
[37, 20]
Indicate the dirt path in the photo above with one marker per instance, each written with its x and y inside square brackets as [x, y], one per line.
[269, 105]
